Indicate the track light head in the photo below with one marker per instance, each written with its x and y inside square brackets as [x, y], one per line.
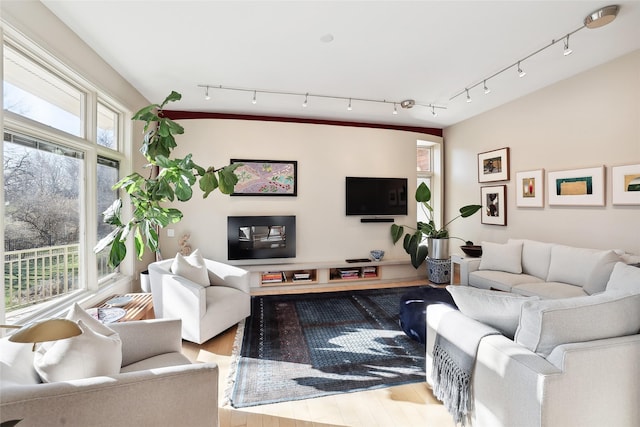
[395, 109]
[304, 103]
[433, 111]
[349, 106]
[601, 17]
[521, 73]
[254, 101]
[468, 97]
[486, 88]
[206, 94]
[567, 51]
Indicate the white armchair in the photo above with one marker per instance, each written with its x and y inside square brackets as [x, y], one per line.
[205, 311]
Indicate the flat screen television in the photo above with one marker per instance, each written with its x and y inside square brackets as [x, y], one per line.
[261, 237]
[376, 196]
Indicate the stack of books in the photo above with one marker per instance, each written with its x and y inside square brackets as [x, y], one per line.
[348, 273]
[301, 277]
[273, 277]
[369, 272]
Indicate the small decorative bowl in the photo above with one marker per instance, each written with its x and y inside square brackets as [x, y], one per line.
[377, 254]
[472, 250]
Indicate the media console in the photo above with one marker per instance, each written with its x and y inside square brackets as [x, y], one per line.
[325, 274]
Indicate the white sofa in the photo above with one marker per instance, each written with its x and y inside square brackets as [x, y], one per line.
[157, 385]
[573, 361]
[218, 302]
[547, 270]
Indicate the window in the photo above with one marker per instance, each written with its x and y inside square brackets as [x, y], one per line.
[37, 94]
[58, 176]
[429, 171]
[424, 167]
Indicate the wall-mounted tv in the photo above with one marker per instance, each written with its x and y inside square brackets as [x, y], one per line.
[376, 196]
[261, 237]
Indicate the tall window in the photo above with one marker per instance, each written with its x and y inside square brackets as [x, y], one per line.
[424, 171]
[52, 217]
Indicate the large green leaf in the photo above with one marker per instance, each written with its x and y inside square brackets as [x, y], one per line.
[469, 210]
[396, 232]
[423, 194]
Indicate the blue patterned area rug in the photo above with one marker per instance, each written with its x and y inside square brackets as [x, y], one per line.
[305, 346]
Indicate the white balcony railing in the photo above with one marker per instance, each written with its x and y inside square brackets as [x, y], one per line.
[37, 275]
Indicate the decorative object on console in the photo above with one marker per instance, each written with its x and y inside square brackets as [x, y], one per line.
[266, 178]
[493, 165]
[577, 187]
[185, 247]
[377, 254]
[625, 184]
[168, 179]
[428, 230]
[474, 251]
[530, 189]
[494, 205]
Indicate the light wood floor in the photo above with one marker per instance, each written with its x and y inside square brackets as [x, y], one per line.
[401, 406]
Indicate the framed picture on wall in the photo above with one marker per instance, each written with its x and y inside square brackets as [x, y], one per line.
[266, 178]
[625, 184]
[493, 165]
[530, 189]
[494, 205]
[577, 187]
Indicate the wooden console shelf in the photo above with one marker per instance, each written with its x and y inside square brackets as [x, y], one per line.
[317, 275]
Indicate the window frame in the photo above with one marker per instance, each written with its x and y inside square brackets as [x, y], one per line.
[88, 145]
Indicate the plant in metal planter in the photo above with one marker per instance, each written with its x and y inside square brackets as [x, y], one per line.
[169, 179]
[426, 230]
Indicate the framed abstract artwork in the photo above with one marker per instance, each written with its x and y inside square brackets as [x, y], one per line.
[266, 178]
[625, 185]
[493, 165]
[577, 187]
[494, 205]
[530, 189]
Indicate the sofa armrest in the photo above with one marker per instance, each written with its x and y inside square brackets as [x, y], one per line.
[222, 274]
[142, 339]
[171, 396]
[181, 298]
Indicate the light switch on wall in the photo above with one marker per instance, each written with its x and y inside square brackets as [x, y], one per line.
[171, 232]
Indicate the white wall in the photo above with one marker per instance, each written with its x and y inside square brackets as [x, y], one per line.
[325, 155]
[589, 120]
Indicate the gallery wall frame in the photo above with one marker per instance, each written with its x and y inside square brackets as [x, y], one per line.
[494, 205]
[493, 165]
[576, 187]
[530, 189]
[266, 178]
[625, 185]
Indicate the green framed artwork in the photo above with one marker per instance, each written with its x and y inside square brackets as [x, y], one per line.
[625, 184]
[577, 187]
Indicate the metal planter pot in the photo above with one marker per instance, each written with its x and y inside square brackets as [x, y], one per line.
[438, 248]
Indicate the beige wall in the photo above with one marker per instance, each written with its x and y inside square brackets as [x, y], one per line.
[325, 155]
[589, 120]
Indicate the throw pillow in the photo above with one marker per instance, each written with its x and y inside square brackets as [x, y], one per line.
[97, 351]
[546, 324]
[625, 278]
[502, 257]
[192, 268]
[572, 265]
[600, 272]
[500, 310]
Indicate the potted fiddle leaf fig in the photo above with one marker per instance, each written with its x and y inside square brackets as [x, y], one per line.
[437, 237]
[169, 179]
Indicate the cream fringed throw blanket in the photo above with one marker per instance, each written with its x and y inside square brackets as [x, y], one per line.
[453, 366]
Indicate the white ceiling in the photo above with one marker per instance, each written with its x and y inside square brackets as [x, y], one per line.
[384, 50]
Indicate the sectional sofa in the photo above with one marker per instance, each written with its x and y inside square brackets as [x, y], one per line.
[564, 336]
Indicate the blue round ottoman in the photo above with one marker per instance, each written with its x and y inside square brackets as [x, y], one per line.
[413, 309]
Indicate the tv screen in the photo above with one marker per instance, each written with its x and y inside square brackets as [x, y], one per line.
[376, 196]
[261, 237]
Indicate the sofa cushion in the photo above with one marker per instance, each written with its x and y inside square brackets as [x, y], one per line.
[571, 265]
[601, 271]
[552, 290]
[502, 257]
[546, 324]
[16, 363]
[625, 278]
[97, 351]
[536, 257]
[499, 280]
[191, 267]
[500, 310]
